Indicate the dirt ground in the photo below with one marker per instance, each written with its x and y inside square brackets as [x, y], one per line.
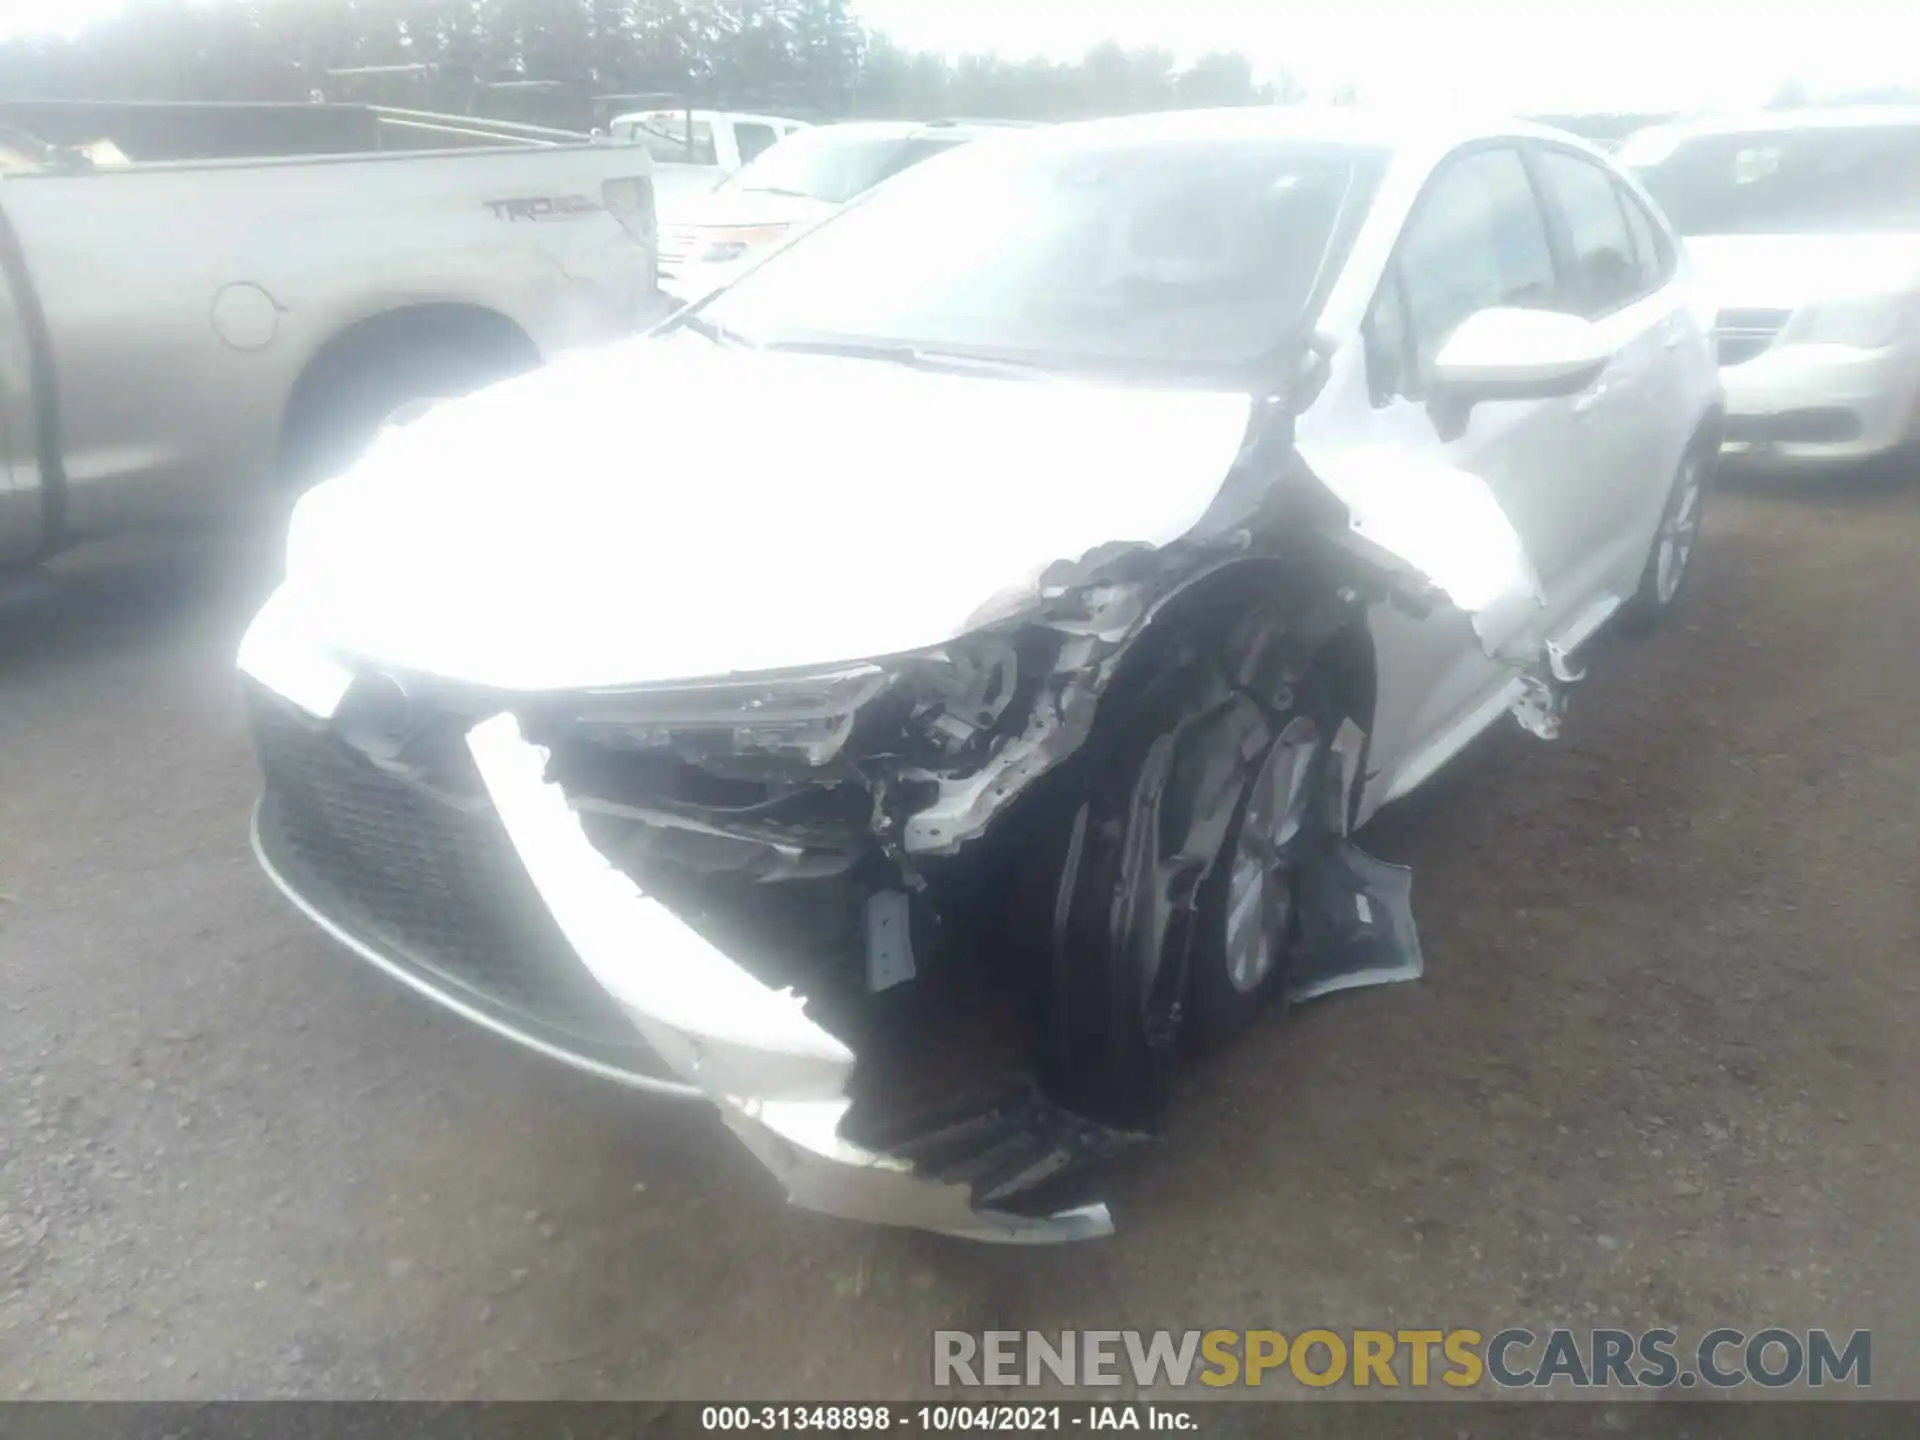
[1661, 1068]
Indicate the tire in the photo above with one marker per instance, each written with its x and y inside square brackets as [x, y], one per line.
[1126, 977]
[1675, 544]
[385, 377]
[1246, 922]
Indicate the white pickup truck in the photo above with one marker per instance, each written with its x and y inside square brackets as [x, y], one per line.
[694, 150]
[199, 300]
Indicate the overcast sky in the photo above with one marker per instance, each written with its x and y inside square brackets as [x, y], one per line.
[1502, 54]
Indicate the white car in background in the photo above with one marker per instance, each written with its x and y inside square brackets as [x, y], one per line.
[1805, 229]
[955, 696]
[694, 150]
[797, 183]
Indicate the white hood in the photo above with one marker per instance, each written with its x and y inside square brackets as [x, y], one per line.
[665, 509]
[1784, 272]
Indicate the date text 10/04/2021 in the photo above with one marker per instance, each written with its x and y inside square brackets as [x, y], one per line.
[945, 1418]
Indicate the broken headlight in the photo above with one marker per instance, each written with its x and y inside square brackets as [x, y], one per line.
[809, 714]
[932, 703]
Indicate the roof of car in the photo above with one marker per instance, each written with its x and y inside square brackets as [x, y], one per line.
[907, 129]
[1415, 132]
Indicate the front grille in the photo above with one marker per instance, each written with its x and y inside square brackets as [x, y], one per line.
[429, 881]
[1739, 335]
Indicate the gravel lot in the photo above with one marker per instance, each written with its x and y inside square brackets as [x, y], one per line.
[1661, 1068]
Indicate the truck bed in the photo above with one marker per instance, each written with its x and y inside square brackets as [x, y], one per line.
[147, 132]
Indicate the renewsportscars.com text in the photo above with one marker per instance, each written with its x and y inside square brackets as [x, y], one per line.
[1508, 1359]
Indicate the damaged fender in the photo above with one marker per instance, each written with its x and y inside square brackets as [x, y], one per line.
[1444, 524]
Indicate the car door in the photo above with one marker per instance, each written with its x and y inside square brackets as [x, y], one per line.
[1478, 237]
[1632, 421]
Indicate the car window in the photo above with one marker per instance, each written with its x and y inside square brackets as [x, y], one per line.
[1606, 274]
[672, 139]
[1477, 239]
[1816, 181]
[1649, 243]
[752, 138]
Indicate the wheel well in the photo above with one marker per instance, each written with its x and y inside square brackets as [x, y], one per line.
[483, 331]
[1349, 659]
[1112, 868]
[1294, 596]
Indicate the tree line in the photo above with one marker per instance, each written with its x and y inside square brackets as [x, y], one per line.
[545, 61]
[537, 59]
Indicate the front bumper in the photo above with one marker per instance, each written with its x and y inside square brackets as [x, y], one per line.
[702, 1025]
[1814, 403]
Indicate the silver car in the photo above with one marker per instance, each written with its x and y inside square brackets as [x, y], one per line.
[1805, 228]
[915, 694]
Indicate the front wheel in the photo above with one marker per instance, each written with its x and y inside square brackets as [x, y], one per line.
[1248, 916]
[1166, 899]
[1670, 562]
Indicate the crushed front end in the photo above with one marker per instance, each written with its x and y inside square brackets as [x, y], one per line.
[917, 926]
[712, 890]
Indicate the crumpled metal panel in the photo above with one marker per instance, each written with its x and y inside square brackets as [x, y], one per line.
[1356, 911]
[1446, 525]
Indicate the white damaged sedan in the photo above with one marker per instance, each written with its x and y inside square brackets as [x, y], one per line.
[915, 694]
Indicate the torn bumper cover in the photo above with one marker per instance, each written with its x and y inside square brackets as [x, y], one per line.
[779, 1079]
[711, 1029]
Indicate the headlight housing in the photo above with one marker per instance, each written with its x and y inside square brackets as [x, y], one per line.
[1863, 322]
[809, 714]
[938, 705]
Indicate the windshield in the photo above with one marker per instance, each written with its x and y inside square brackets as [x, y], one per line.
[824, 166]
[1180, 253]
[1826, 181]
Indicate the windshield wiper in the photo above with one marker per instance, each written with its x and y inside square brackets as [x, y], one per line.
[913, 356]
[713, 330]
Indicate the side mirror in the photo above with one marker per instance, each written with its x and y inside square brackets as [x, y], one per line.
[1514, 354]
